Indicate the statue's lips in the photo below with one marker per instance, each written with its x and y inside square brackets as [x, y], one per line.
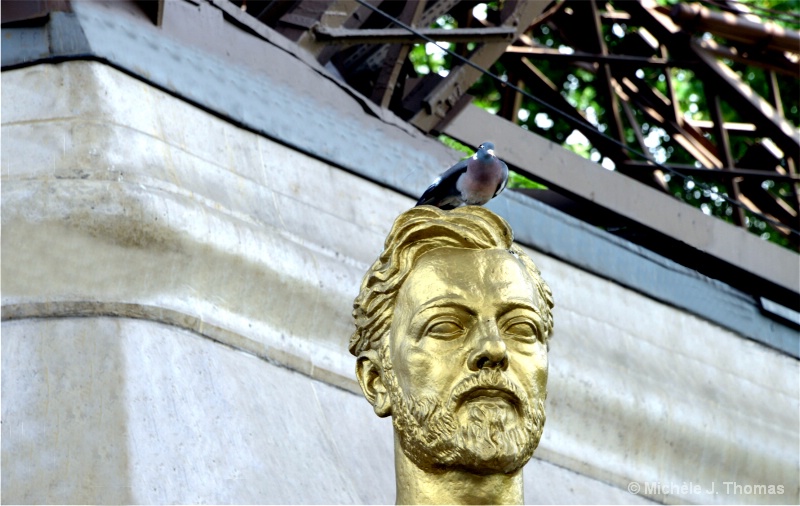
[489, 393]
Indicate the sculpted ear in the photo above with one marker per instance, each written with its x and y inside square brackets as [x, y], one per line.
[368, 372]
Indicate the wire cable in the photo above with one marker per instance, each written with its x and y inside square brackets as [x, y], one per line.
[570, 117]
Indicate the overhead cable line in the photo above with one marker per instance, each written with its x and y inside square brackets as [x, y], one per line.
[570, 117]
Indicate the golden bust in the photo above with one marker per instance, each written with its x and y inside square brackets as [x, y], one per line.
[452, 323]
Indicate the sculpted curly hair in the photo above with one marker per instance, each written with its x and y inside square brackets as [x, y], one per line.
[416, 232]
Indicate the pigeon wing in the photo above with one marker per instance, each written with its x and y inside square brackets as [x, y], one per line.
[502, 185]
[444, 186]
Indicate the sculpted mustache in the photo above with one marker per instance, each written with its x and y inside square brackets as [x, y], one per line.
[486, 378]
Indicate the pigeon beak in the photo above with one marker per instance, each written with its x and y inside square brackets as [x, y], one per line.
[490, 151]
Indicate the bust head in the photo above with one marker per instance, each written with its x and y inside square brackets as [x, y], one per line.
[452, 326]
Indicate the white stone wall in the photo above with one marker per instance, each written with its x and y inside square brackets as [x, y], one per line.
[176, 301]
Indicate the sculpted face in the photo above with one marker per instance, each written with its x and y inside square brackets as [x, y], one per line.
[466, 363]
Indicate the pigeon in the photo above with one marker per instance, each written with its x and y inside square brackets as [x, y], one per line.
[473, 181]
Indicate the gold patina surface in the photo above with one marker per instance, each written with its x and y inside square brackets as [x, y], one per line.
[452, 324]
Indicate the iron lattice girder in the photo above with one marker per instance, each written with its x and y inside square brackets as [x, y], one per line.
[664, 112]
[777, 62]
[766, 35]
[395, 58]
[740, 95]
[371, 53]
[546, 90]
[722, 82]
[620, 60]
[725, 80]
[370, 57]
[447, 94]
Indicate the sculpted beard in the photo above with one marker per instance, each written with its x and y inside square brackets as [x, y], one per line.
[431, 435]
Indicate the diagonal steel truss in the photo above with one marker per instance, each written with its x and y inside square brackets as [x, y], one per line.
[634, 80]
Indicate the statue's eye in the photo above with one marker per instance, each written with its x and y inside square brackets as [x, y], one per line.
[521, 329]
[444, 329]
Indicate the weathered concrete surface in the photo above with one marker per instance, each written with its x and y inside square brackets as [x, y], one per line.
[131, 411]
[117, 410]
[120, 200]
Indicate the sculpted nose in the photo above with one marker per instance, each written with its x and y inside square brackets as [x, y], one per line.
[490, 349]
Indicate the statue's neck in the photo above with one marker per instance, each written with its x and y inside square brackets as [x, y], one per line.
[416, 486]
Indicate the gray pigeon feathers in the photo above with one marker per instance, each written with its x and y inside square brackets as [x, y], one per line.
[473, 181]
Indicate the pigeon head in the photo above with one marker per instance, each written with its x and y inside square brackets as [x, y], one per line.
[485, 152]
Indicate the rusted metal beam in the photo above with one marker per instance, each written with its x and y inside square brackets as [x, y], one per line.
[637, 129]
[615, 16]
[545, 90]
[439, 103]
[345, 36]
[770, 61]
[774, 92]
[697, 18]
[658, 175]
[377, 56]
[758, 156]
[510, 100]
[673, 97]
[724, 150]
[773, 207]
[655, 105]
[605, 86]
[337, 13]
[648, 14]
[24, 10]
[731, 87]
[256, 27]
[547, 53]
[395, 57]
[768, 121]
[739, 128]
[741, 96]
